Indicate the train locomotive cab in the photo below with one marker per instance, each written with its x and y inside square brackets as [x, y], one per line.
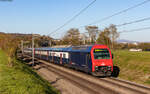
[102, 64]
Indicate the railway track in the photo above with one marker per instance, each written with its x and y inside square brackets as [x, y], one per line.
[82, 83]
[95, 85]
[130, 84]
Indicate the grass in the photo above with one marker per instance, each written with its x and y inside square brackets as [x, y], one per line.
[20, 79]
[134, 66]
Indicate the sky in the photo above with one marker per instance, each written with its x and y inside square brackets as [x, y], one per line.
[45, 16]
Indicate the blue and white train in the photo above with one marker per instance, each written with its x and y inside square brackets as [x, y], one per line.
[94, 59]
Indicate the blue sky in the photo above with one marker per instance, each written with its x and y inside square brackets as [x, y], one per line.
[44, 16]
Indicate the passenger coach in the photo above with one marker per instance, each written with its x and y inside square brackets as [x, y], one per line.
[94, 59]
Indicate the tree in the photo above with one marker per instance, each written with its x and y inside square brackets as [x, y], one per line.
[104, 37]
[43, 41]
[93, 31]
[114, 34]
[72, 37]
[83, 38]
[144, 46]
[9, 44]
[108, 36]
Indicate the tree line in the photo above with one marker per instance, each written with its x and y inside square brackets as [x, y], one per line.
[93, 35]
[9, 44]
[108, 36]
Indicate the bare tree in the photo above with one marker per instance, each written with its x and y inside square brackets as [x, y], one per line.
[104, 37]
[72, 37]
[108, 36]
[93, 31]
[114, 34]
[83, 38]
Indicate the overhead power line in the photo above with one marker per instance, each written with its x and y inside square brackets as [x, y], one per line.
[120, 12]
[134, 30]
[74, 17]
[132, 22]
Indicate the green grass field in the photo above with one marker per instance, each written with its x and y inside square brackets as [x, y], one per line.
[20, 79]
[134, 66]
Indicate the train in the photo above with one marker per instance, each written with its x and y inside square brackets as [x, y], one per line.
[93, 59]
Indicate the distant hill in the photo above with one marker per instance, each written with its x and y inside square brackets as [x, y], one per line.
[2, 33]
[130, 41]
[19, 34]
[126, 41]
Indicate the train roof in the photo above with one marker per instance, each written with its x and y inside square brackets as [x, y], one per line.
[81, 48]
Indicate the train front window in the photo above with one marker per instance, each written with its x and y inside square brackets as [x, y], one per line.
[101, 54]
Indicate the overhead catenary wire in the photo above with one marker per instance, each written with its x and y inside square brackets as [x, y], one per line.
[74, 17]
[117, 13]
[134, 30]
[120, 12]
[132, 22]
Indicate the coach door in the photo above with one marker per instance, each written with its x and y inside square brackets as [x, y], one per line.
[52, 57]
[87, 61]
[60, 58]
